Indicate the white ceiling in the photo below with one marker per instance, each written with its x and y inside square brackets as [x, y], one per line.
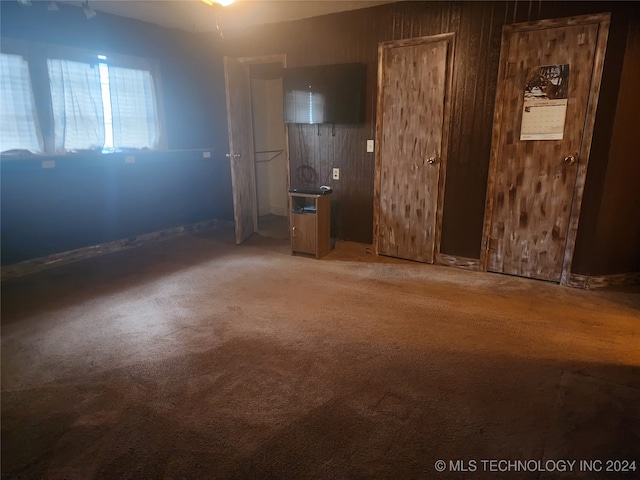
[196, 16]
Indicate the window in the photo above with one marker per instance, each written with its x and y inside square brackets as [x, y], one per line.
[103, 68]
[19, 127]
[102, 106]
[133, 106]
[85, 101]
[76, 98]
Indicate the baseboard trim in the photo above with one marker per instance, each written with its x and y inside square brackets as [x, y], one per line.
[465, 263]
[594, 282]
[62, 258]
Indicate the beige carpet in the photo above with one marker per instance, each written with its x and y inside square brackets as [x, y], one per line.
[196, 358]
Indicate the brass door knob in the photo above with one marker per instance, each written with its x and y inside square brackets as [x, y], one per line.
[432, 160]
[569, 160]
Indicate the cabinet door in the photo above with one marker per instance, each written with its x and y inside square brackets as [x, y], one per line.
[303, 233]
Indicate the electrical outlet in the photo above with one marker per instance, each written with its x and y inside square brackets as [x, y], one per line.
[206, 154]
[370, 145]
[48, 164]
[129, 159]
[336, 174]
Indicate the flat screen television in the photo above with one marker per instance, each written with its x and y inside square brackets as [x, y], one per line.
[325, 94]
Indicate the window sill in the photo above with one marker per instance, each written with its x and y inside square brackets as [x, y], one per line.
[29, 162]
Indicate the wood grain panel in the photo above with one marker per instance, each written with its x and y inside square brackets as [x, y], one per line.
[411, 127]
[533, 188]
[323, 222]
[620, 238]
[594, 282]
[477, 47]
[472, 264]
[354, 37]
[345, 37]
[241, 156]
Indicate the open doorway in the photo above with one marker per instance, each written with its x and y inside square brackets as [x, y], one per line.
[269, 140]
[259, 163]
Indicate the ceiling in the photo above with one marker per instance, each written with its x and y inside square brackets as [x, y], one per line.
[196, 16]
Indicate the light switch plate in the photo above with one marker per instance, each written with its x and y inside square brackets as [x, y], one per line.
[336, 174]
[206, 154]
[370, 146]
[129, 159]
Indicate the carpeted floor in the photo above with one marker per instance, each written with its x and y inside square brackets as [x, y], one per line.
[196, 358]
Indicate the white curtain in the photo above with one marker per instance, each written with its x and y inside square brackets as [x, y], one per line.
[133, 108]
[76, 97]
[19, 127]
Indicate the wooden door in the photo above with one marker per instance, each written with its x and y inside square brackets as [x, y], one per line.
[241, 151]
[538, 160]
[413, 109]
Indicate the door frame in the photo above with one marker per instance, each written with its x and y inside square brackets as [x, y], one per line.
[446, 129]
[603, 21]
[275, 58]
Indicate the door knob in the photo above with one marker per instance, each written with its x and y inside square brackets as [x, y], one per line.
[569, 160]
[432, 160]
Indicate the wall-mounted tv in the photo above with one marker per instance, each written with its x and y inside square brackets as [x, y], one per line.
[325, 94]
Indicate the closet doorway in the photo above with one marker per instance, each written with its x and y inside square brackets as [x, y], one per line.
[258, 144]
[269, 140]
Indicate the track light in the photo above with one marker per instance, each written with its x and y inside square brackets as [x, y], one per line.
[88, 11]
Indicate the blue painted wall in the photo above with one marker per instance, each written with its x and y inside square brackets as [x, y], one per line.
[92, 198]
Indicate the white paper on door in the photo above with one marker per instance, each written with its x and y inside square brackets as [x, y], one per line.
[545, 103]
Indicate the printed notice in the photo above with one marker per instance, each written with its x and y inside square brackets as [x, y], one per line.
[545, 103]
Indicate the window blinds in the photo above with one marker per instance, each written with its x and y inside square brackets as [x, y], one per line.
[133, 108]
[19, 127]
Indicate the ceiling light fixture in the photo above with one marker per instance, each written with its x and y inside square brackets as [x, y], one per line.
[224, 3]
[88, 11]
[218, 3]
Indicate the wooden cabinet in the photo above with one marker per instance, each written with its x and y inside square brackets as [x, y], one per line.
[310, 224]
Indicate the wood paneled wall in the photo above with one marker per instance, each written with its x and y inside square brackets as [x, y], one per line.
[354, 37]
[610, 241]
